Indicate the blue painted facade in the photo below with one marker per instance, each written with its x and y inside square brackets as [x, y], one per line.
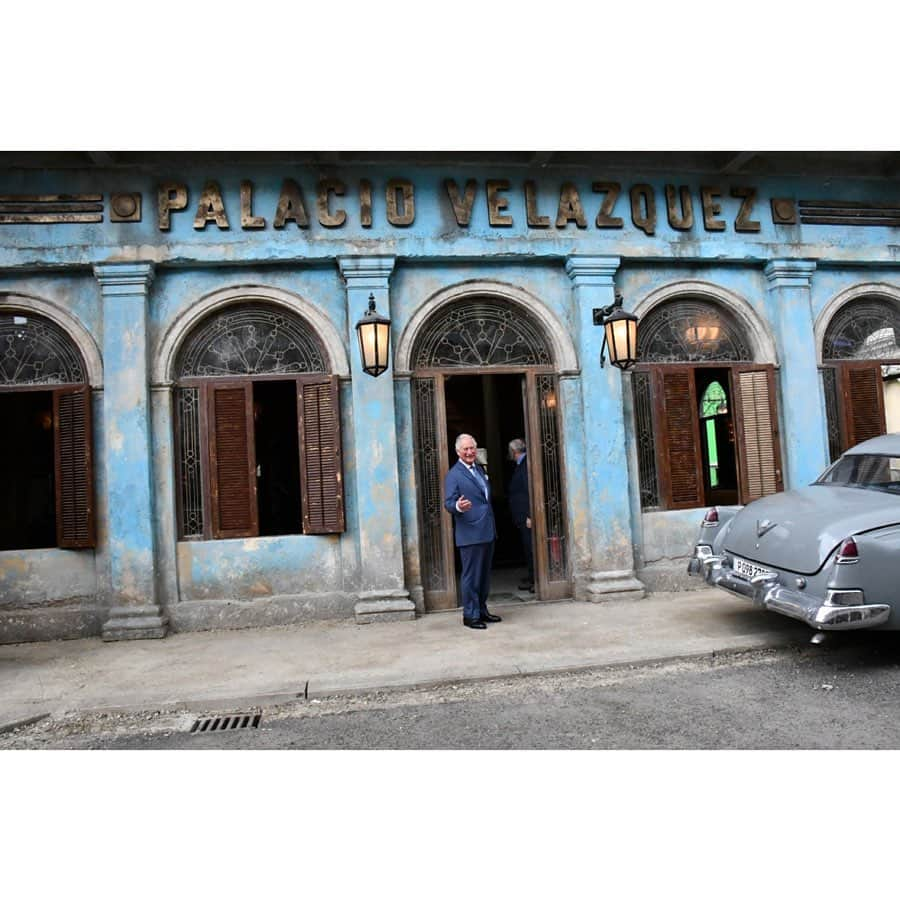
[129, 293]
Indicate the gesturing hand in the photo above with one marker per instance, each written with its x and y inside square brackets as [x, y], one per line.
[463, 504]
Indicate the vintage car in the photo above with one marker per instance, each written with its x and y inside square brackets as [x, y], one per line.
[827, 554]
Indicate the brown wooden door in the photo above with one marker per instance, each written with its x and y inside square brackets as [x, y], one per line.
[547, 483]
[862, 402]
[436, 553]
[232, 460]
[679, 460]
[756, 426]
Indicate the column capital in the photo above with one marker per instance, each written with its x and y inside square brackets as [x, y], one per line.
[124, 278]
[366, 271]
[790, 272]
[597, 270]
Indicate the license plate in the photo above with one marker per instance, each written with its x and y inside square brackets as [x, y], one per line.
[749, 570]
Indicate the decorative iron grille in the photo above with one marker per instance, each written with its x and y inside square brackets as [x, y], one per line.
[646, 447]
[427, 460]
[250, 339]
[864, 329]
[691, 331]
[35, 350]
[554, 512]
[187, 400]
[480, 333]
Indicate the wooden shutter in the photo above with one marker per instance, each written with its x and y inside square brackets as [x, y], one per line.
[74, 467]
[321, 477]
[756, 425]
[232, 460]
[678, 448]
[862, 395]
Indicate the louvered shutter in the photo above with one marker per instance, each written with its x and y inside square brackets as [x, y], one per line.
[74, 467]
[678, 447]
[756, 424]
[322, 483]
[232, 460]
[863, 401]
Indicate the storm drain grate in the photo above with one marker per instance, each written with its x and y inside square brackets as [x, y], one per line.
[234, 722]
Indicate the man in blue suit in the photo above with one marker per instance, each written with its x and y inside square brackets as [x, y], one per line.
[467, 497]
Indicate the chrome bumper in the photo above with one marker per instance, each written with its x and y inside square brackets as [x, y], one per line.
[766, 592]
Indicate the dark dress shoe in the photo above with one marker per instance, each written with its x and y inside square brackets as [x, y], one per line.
[526, 585]
[490, 617]
[474, 623]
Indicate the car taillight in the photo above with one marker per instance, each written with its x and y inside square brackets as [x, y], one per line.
[711, 519]
[848, 552]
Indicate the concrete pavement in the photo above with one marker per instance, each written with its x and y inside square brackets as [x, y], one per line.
[232, 670]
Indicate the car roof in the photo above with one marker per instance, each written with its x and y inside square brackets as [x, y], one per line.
[885, 444]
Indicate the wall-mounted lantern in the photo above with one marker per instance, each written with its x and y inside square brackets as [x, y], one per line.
[374, 333]
[619, 334]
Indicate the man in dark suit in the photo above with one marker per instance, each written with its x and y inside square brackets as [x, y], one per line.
[520, 507]
[467, 497]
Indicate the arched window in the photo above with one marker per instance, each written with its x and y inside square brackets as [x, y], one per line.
[258, 428]
[47, 490]
[705, 415]
[861, 371]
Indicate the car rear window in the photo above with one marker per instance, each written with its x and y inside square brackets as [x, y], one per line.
[869, 471]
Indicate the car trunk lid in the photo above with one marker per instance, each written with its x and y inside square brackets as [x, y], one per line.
[797, 530]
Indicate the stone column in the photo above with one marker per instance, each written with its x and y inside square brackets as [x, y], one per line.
[803, 413]
[383, 595]
[610, 573]
[126, 418]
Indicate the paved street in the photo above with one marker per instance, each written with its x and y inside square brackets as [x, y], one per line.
[842, 695]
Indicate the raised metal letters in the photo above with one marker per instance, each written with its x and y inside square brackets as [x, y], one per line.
[605, 218]
[646, 221]
[404, 212]
[570, 208]
[497, 203]
[327, 218]
[248, 220]
[531, 212]
[365, 204]
[290, 206]
[211, 208]
[462, 207]
[711, 209]
[683, 219]
[743, 222]
[170, 196]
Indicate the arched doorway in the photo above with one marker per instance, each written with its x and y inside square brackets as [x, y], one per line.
[482, 365]
[705, 415]
[861, 371]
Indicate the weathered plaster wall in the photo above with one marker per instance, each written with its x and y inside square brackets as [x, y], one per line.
[259, 581]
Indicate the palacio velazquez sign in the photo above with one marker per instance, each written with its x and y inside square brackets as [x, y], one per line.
[333, 203]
